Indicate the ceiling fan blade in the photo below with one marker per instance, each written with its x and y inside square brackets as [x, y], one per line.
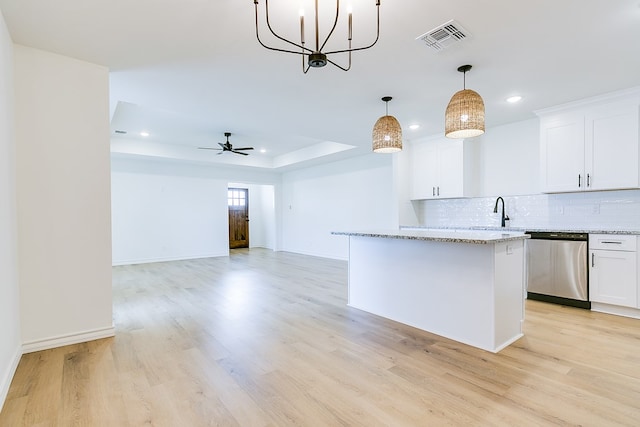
[239, 152]
[244, 148]
[208, 148]
[221, 151]
[221, 145]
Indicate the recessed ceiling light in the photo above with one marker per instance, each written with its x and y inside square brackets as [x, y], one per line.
[262, 150]
[414, 127]
[144, 133]
[513, 99]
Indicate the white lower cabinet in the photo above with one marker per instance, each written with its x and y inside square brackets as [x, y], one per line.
[613, 269]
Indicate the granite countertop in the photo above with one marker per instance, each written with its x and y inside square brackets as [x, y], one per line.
[522, 230]
[443, 235]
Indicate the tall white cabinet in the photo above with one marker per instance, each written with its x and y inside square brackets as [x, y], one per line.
[590, 146]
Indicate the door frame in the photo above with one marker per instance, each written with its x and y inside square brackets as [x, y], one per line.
[242, 201]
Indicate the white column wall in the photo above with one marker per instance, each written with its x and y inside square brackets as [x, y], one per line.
[352, 194]
[63, 196]
[268, 217]
[10, 349]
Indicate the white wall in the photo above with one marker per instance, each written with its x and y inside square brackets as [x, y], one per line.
[267, 214]
[168, 211]
[162, 218]
[63, 194]
[510, 159]
[10, 349]
[352, 194]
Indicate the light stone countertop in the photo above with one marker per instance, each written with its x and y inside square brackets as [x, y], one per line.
[443, 235]
[519, 229]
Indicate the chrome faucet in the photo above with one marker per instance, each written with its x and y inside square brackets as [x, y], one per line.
[504, 218]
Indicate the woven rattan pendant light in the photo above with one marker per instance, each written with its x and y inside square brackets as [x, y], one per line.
[387, 133]
[464, 117]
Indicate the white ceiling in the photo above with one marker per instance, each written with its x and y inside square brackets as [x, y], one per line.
[187, 71]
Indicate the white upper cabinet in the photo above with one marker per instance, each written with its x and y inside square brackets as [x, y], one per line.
[590, 148]
[425, 170]
[562, 152]
[451, 169]
[611, 141]
[442, 168]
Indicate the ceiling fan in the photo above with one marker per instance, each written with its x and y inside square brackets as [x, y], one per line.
[228, 147]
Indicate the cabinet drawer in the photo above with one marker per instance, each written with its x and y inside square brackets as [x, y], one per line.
[613, 242]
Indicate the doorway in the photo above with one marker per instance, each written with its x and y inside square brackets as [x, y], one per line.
[238, 203]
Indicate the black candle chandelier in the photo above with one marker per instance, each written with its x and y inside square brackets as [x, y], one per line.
[316, 58]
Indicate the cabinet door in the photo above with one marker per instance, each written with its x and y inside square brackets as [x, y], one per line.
[424, 168]
[451, 168]
[612, 277]
[611, 147]
[562, 153]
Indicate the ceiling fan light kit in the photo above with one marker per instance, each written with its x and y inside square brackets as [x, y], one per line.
[315, 57]
[464, 117]
[387, 133]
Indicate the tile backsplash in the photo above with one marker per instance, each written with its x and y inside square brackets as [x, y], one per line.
[602, 210]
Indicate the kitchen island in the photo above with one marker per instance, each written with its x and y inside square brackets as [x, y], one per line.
[466, 285]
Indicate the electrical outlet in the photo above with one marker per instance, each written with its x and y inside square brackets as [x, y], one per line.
[596, 208]
[561, 210]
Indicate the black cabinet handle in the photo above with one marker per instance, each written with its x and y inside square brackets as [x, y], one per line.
[579, 180]
[593, 260]
[588, 180]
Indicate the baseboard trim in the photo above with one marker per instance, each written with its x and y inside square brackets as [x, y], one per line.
[62, 340]
[116, 263]
[8, 376]
[616, 310]
[315, 254]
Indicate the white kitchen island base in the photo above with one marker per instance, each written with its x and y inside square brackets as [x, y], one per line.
[469, 292]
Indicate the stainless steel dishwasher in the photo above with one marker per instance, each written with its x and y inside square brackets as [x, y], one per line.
[557, 268]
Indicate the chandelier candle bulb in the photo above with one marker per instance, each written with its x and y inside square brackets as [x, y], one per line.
[317, 34]
[350, 24]
[301, 26]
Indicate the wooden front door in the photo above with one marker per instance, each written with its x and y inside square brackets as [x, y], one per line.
[238, 202]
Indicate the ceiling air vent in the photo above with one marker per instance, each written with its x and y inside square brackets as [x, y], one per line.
[444, 35]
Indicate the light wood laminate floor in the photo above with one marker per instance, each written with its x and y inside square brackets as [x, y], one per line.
[266, 339]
